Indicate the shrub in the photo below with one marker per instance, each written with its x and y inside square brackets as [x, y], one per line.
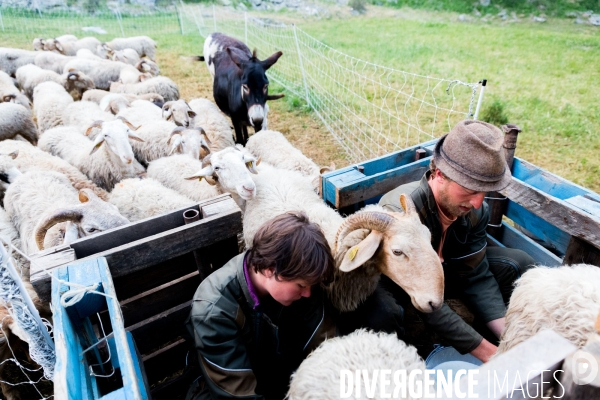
[495, 114]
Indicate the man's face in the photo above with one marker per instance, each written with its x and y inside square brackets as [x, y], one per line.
[286, 292]
[456, 200]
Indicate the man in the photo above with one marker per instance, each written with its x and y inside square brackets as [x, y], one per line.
[467, 163]
[254, 320]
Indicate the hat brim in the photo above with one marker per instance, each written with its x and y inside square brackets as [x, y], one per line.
[465, 180]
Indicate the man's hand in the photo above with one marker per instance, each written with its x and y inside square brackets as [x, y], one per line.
[484, 351]
[497, 326]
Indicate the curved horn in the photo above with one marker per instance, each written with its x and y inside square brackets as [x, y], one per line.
[177, 131]
[95, 124]
[134, 128]
[373, 220]
[199, 129]
[45, 224]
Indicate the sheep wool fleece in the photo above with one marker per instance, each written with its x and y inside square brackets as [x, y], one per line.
[247, 350]
[467, 270]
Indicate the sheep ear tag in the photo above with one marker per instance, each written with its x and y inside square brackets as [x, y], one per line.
[83, 198]
[362, 252]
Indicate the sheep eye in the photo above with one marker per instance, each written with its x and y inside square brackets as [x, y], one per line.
[216, 168]
[266, 89]
[246, 89]
[92, 230]
[398, 252]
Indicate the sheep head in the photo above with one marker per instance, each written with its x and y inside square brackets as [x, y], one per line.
[78, 82]
[91, 216]
[104, 51]
[148, 66]
[397, 245]
[193, 142]
[116, 135]
[178, 112]
[38, 44]
[154, 98]
[231, 167]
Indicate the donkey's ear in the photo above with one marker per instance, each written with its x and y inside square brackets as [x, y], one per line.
[268, 63]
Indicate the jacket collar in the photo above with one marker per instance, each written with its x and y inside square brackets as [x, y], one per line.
[431, 205]
[242, 279]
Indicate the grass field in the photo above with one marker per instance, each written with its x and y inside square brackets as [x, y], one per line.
[542, 77]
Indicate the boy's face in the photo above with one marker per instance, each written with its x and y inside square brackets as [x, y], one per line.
[286, 292]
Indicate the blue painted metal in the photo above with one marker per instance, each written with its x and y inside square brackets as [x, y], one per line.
[72, 333]
[538, 226]
[514, 239]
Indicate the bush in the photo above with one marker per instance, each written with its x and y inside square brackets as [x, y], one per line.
[495, 114]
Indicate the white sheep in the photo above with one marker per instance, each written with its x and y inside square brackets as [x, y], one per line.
[9, 92]
[96, 95]
[103, 72]
[171, 172]
[160, 84]
[38, 44]
[70, 47]
[163, 138]
[50, 100]
[9, 234]
[140, 112]
[52, 61]
[83, 114]
[50, 44]
[213, 121]
[12, 59]
[113, 162]
[137, 198]
[365, 244]
[17, 120]
[319, 375]
[180, 113]
[144, 46]
[565, 299]
[230, 170]
[127, 56]
[74, 82]
[30, 158]
[39, 200]
[273, 148]
[87, 53]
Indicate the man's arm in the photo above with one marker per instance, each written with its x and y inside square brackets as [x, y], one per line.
[221, 353]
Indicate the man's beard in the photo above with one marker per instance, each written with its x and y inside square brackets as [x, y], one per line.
[451, 210]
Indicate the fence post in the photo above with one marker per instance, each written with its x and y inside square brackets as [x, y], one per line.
[180, 16]
[214, 19]
[301, 66]
[119, 20]
[246, 27]
[483, 83]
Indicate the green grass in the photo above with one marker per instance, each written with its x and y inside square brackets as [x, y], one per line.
[544, 76]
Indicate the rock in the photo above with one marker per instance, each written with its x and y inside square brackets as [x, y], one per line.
[572, 14]
[542, 7]
[484, 3]
[538, 19]
[595, 19]
[225, 3]
[579, 21]
[476, 12]
[95, 29]
[464, 18]
[241, 6]
[587, 14]
[256, 3]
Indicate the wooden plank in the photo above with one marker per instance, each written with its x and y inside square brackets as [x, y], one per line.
[160, 329]
[585, 204]
[136, 230]
[166, 361]
[137, 255]
[380, 183]
[155, 275]
[579, 251]
[551, 235]
[514, 239]
[577, 379]
[159, 299]
[555, 211]
[544, 351]
[224, 206]
[545, 181]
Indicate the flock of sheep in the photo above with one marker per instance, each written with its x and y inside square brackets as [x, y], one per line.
[107, 141]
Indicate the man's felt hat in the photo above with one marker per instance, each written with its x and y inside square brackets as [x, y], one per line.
[472, 155]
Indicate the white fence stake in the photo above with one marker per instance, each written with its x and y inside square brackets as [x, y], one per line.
[301, 66]
[214, 18]
[1, 21]
[483, 83]
[180, 15]
[246, 27]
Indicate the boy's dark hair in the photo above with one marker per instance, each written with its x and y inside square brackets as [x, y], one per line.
[295, 247]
